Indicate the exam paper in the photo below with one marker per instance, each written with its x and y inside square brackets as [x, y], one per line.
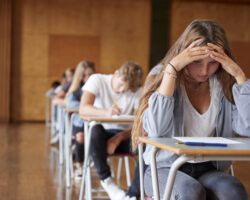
[207, 140]
[123, 117]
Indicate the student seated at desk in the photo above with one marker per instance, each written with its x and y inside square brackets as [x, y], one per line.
[83, 71]
[51, 92]
[199, 91]
[58, 102]
[107, 95]
[60, 95]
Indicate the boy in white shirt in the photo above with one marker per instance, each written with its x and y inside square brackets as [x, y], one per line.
[107, 95]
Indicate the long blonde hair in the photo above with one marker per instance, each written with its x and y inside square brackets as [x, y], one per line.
[211, 32]
[79, 72]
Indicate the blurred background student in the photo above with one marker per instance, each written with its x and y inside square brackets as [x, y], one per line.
[83, 71]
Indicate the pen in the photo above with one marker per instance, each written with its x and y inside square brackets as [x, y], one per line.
[203, 144]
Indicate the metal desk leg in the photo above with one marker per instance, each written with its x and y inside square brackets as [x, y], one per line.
[86, 176]
[47, 110]
[53, 119]
[140, 148]
[88, 172]
[172, 174]
[154, 174]
[86, 133]
[61, 132]
[67, 146]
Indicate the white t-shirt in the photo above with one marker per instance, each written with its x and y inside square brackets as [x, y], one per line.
[203, 125]
[105, 97]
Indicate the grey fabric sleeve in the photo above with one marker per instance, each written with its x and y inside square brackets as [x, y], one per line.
[241, 109]
[158, 120]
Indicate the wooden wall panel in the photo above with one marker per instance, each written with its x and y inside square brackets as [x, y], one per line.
[5, 42]
[125, 32]
[233, 17]
[241, 49]
[75, 17]
[67, 51]
[56, 34]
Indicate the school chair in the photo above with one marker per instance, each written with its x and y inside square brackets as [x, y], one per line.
[123, 158]
[86, 167]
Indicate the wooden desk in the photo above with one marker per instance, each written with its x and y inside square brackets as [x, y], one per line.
[232, 152]
[89, 122]
[71, 110]
[114, 119]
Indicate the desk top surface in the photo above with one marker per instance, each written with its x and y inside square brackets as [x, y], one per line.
[170, 144]
[72, 110]
[111, 119]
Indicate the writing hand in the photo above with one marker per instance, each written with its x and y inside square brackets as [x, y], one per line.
[114, 110]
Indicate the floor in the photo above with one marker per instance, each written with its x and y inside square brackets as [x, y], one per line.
[29, 168]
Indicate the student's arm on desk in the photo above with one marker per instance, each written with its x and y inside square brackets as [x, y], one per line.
[114, 142]
[87, 108]
[59, 101]
[60, 94]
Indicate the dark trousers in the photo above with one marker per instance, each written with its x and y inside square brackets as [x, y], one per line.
[98, 149]
[78, 154]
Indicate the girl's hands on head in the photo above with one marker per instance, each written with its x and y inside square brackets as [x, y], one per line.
[190, 54]
[218, 54]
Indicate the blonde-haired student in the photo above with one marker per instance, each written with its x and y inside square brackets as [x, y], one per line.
[200, 90]
[83, 71]
[107, 95]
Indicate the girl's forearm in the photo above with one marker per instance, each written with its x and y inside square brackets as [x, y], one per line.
[168, 82]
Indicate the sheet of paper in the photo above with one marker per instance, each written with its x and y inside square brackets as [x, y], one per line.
[207, 140]
[123, 116]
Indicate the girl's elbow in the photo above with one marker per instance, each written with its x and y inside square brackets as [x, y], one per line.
[245, 131]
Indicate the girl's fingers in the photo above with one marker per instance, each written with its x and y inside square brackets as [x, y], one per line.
[194, 43]
[216, 58]
[203, 48]
[199, 57]
[227, 64]
[217, 48]
[217, 55]
[219, 58]
[198, 52]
